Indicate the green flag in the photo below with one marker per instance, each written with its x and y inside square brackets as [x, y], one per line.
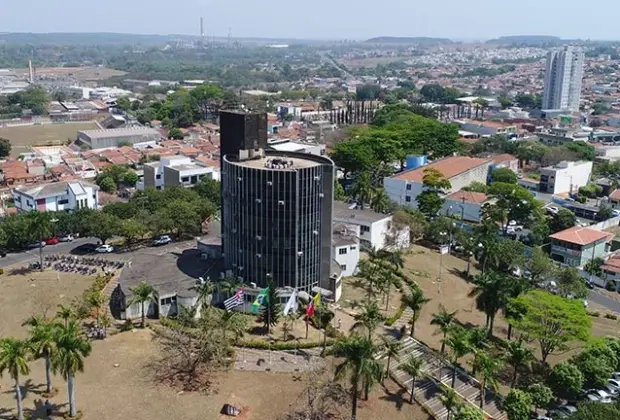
[261, 299]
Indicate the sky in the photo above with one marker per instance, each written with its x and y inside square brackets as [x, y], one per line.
[318, 19]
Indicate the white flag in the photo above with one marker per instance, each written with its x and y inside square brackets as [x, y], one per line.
[291, 304]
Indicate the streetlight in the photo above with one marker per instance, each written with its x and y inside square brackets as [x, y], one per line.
[442, 235]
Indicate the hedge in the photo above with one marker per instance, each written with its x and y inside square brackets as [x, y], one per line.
[282, 345]
[390, 321]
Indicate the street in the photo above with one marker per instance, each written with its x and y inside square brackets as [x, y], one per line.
[33, 254]
[598, 297]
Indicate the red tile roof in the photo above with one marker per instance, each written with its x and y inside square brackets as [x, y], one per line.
[502, 158]
[612, 265]
[468, 197]
[615, 195]
[581, 235]
[449, 167]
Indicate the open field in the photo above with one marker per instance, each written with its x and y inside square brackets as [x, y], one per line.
[22, 137]
[83, 74]
[370, 62]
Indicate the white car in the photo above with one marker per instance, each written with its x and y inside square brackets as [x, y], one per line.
[553, 210]
[66, 238]
[611, 390]
[602, 396]
[615, 383]
[162, 240]
[616, 376]
[104, 249]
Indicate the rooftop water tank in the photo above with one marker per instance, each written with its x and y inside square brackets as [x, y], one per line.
[414, 162]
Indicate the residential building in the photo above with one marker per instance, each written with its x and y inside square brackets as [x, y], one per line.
[565, 177]
[58, 196]
[276, 209]
[563, 75]
[505, 160]
[114, 137]
[488, 128]
[175, 170]
[461, 171]
[465, 204]
[376, 230]
[576, 246]
[346, 247]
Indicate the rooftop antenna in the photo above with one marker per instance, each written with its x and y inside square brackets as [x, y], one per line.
[30, 72]
[202, 32]
[229, 35]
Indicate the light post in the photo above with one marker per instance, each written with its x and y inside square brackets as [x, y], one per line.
[271, 342]
[442, 235]
[448, 214]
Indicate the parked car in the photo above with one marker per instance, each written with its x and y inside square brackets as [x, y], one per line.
[66, 238]
[611, 390]
[104, 249]
[552, 210]
[85, 249]
[162, 240]
[616, 376]
[615, 383]
[569, 409]
[51, 241]
[36, 245]
[599, 395]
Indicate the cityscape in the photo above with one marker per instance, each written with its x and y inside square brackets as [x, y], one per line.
[392, 228]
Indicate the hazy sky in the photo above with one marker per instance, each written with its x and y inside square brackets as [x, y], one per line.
[319, 19]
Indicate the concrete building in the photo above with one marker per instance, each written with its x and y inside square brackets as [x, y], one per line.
[465, 204]
[58, 196]
[276, 209]
[286, 145]
[376, 230]
[346, 247]
[563, 75]
[461, 171]
[101, 139]
[175, 171]
[565, 177]
[576, 246]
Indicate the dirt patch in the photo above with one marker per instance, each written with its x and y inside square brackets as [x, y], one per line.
[78, 73]
[25, 136]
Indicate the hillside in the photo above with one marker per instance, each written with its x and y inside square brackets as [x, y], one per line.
[420, 40]
[527, 40]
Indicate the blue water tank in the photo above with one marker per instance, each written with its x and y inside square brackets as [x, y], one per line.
[413, 162]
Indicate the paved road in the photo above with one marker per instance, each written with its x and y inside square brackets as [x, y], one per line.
[598, 297]
[33, 254]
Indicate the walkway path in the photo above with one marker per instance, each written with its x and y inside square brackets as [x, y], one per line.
[427, 390]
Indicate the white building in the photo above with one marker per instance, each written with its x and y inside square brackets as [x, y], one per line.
[286, 145]
[100, 139]
[57, 196]
[376, 229]
[565, 177]
[466, 205]
[175, 171]
[563, 75]
[346, 247]
[461, 171]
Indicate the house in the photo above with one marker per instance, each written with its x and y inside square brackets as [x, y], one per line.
[175, 170]
[57, 196]
[465, 204]
[565, 177]
[578, 245]
[461, 171]
[376, 229]
[346, 247]
[505, 161]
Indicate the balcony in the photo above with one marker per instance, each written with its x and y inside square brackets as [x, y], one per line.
[565, 251]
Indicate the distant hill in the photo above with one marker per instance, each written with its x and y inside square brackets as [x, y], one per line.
[527, 40]
[420, 40]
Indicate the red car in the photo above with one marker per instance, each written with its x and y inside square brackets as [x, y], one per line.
[51, 241]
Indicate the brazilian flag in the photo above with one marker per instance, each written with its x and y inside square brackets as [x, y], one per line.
[261, 300]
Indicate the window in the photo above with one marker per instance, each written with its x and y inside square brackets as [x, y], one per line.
[408, 199]
[353, 248]
[185, 179]
[342, 251]
[343, 267]
[408, 187]
[364, 229]
[65, 201]
[158, 176]
[169, 300]
[94, 196]
[158, 187]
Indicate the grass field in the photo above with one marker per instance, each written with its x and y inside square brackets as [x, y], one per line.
[370, 62]
[83, 74]
[25, 136]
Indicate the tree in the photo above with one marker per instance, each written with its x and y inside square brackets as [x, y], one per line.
[210, 189]
[476, 187]
[582, 149]
[451, 400]
[271, 309]
[605, 212]
[96, 300]
[458, 343]
[517, 355]
[38, 229]
[100, 225]
[42, 342]
[175, 133]
[488, 368]
[565, 380]
[552, 320]
[414, 367]
[359, 365]
[5, 147]
[517, 405]
[142, 293]
[505, 175]
[130, 179]
[369, 317]
[596, 410]
[234, 323]
[107, 185]
[414, 300]
[132, 229]
[66, 313]
[444, 321]
[596, 362]
[391, 348]
[540, 394]
[323, 318]
[540, 266]
[14, 359]
[435, 185]
[469, 412]
[562, 220]
[204, 290]
[72, 348]
[491, 291]
[571, 284]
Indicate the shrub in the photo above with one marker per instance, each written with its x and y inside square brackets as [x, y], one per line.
[610, 286]
[611, 316]
[595, 314]
[287, 345]
[390, 321]
[1, 271]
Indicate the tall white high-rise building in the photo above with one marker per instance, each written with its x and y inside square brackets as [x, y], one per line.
[563, 79]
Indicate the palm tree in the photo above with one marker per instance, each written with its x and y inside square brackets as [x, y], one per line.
[517, 355]
[389, 278]
[43, 345]
[142, 293]
[359, 365]
[71, 349]
[369, 318]
[204, 289]
[478, 339]
[14, 359]
[488, 367]
[38, 227]
[228, 286]
[97, 301]
[380, 202]
[450, 399]
[370, 271]
[491, 291]
[414, 301]
[395, 258]
[392, 349]
[458, 342]
[65, 313]
[413, 366]
[444, 320]
[235, 323]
